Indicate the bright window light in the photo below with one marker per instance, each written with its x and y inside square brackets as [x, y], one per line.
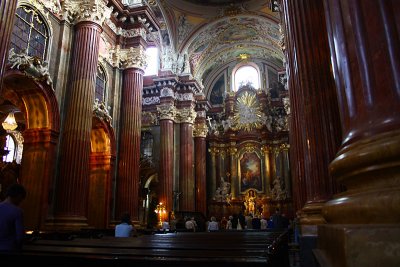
[10, 146]
[152, 61]
[247, 75]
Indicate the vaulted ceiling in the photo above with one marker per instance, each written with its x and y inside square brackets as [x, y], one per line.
[213, 32]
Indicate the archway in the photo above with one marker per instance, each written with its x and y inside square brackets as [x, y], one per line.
[102, 161]
[41, 124]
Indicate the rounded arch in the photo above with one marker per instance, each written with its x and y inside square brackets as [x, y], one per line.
[37, 102]
[35, 99]
[253, 72]
[102, 137]
[44, 15]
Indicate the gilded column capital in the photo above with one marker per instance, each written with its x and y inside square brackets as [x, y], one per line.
[186, 115]
[213, 151]
[265, 150]
[284, 147]
[167, 112]
[86, 10]
[232, 151]
[200, 130]
[134, 57]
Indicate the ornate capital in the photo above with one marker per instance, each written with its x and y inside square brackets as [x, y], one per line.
[232, 151]
[200, 130]
[167, 112]
[134, 57]
[187, 115]
[86, 10]
[213, 151]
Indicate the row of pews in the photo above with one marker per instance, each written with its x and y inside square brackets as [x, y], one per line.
[221, 248]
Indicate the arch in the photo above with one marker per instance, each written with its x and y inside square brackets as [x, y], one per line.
[246, 66]
[102, 163]
[44, 17]
[37, 102]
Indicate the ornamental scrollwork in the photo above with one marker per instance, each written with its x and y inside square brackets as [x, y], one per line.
[152, 100]
[186, 115]
[100, 110]
[166, 112]
[86, 10]
[134, 57]
[200, 130]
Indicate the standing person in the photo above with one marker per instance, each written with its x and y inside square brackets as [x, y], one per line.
[12, 230]
[277, 219]
[213, 225]
[125, 228]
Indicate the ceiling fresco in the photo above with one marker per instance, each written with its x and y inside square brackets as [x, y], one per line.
[212, 33]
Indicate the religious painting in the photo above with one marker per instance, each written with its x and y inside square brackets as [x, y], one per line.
[218, 90]
[250, 172]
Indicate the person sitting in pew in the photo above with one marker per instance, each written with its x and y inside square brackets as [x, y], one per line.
[125, 228]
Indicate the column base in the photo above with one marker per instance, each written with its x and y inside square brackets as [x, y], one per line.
[311, 217]
[358, 245]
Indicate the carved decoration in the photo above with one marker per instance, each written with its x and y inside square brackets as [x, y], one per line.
[86, 10]
[33, 67]
[134, 57]
[149, 119]
[184, 97]
[167, 92]
[166, 112]
[101, 111]
[152, 100]
[200, 130]
[186, 115]
[248, 115]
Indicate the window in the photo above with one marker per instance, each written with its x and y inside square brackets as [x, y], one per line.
[146, 145]
[246, 76]
[10, 147]
[30, 33]
[152, 61]
[101, 82]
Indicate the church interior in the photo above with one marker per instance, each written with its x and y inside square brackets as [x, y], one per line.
[207, 108]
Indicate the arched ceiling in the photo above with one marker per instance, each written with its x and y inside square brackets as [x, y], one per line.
[214, 32]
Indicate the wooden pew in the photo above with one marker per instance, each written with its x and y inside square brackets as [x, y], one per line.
[239, 248]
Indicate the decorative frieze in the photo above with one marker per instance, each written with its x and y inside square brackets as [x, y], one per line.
[86, 10]
[167, 112]
[152, 100]
[134, 57]
[184, 97]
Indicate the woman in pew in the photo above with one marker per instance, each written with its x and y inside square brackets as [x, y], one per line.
[125, 228]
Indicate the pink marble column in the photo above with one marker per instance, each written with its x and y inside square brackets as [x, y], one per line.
[186, 116]
[315, 127]
[7, 15]
[127, 197]
[167, 113]
[72, 184]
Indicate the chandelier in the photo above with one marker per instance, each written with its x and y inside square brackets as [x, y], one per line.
[9, 123]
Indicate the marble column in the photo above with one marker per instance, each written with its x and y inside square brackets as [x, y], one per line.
[233, 170]
[167, 112]
[186, 116]
[200, 133]
[127, 194]
[364, 38]
[315, 128]
[7, 15]
[213, 177]
[265, 149]
[72, 184]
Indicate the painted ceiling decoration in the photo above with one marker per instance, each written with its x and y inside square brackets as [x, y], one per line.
[200, 36]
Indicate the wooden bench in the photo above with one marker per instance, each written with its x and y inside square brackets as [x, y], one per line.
[239, 248]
